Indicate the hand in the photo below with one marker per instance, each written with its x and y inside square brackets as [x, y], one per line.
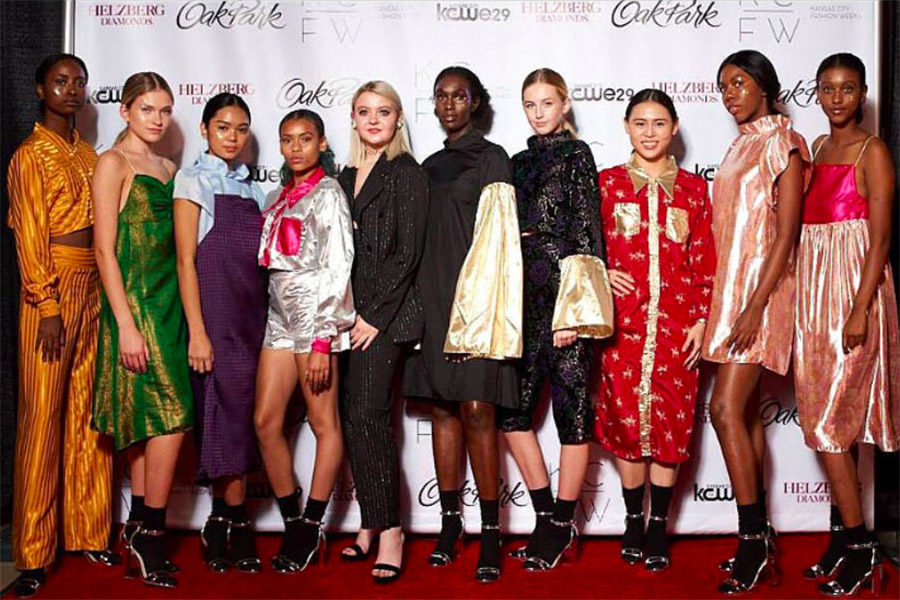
[693, 343]
[745, 329]
[564, 337]
[200, 353]
[133, 352]
[621, 282]
[362, 334]
[855, 329]
[318, 371]
[51, 337]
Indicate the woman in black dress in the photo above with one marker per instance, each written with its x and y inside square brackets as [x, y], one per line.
[463, 393]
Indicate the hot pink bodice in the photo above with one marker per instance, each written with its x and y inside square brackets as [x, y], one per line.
[833, 196]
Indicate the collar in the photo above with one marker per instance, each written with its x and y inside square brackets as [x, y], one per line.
[766, 123]
[471, 137]
[640, 178]
[293, 193]
[213, 163]
[539, 142]
[58, 139]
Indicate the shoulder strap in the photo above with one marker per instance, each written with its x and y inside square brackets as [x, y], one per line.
[128, 162]
[819, 147]
[863, 149]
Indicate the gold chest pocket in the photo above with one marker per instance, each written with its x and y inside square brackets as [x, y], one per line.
[628, 218]
[677, 224]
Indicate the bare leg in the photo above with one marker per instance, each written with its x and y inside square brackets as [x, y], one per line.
[161, 456]
[633, 473]
[447, 438]
[842, 475]
[573, 463]
[322, 414]
[481, 443]
[662, 474]
[275, 382]
[135, 456]
[231, 488]
[527, 452]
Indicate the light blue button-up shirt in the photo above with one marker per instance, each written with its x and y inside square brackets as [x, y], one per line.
[209, 176]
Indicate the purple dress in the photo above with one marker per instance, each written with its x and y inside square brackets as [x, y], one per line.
[234, 303]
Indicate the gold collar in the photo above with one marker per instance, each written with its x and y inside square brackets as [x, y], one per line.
[640, 178]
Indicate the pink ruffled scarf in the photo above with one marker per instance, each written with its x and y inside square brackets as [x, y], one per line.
[285, 232]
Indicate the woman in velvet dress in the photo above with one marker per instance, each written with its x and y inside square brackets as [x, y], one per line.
[847, 348]
[217, 228]
[470, 177]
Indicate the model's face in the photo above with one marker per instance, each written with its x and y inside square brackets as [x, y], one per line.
[841, 94]
[228, 132]
[651, 129]
[742, 96]
[64, 87]
[301, 146]
[149, 116]
[545, 108]
[453, 103]
[376, 119]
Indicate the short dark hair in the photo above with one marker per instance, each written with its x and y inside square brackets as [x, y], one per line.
[40, 74]
[475, 87]
[760, 68]
[220, 101]
[652, 95]
[848, 61]
[326, 158]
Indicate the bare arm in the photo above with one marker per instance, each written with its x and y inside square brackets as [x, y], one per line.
[186, 215]
[109, 178]
[879, 177]
[787, 226]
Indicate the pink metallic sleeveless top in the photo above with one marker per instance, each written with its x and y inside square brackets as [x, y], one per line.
[832, 196]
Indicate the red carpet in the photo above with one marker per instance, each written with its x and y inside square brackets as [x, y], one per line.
[598, 573]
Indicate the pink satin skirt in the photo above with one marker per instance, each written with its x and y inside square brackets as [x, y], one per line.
[844, 398]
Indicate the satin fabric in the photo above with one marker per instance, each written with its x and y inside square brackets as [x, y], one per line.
[745, 202]
[584, 302]
[843, 398]
[54, 412]
[310, 297]
[486, 315]
[49, 183]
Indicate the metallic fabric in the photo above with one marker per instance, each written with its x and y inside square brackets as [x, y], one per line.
[309, 285]
[843, 398]
[54, 418]
[486, 316]
[647, 396]
[49, 183]
[744, 225]
[584, 302]
[128, 406]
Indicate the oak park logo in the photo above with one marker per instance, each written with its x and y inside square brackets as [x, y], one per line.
[666, 13]
[229, 14]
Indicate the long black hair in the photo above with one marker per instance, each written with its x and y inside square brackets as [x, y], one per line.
[760, 68]
[846, 61]
[326, 157]
[652, 95]
[483, 115]
[220, 101]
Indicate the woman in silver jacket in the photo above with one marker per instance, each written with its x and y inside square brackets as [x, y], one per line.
[307, 245]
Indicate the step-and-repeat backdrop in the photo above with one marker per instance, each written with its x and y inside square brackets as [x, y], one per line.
[285, 55]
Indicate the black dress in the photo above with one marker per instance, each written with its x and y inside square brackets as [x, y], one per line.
[456, 176]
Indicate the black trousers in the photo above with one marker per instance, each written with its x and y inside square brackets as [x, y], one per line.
[367, 401]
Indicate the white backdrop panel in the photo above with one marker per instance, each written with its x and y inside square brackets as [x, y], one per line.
[286, 55]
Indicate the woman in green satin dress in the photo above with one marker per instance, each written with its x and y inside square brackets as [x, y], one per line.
[142, 392]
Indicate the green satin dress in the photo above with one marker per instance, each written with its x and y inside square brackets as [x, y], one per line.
[129, 406]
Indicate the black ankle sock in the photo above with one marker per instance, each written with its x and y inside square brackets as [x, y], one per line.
[541, 499]
[237, 513]
[154, 518]
[857, 535]
[490, 512]
[289, 505]
[751, 518]
[836, 519]
[37, 574]
[315, 509]
[634, 499]
[564, 511]
[660, 498]
[136, 512]
[449, 500]
[761, 500]
[218, 506]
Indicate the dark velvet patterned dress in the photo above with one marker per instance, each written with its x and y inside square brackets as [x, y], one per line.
[558, 201]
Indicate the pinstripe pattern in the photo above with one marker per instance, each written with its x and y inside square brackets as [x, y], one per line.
[54, 411]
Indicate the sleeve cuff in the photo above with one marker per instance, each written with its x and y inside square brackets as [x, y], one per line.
[322, 345]
[48, 308]
[584, 302]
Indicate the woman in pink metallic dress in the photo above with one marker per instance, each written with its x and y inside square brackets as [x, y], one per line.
[847, 353]
[757, 197]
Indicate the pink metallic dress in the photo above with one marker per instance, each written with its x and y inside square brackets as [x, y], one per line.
[843, 398]
[744, 226]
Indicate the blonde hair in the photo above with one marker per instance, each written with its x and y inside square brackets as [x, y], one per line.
[398, 144]
[551, 77]
[137, 85]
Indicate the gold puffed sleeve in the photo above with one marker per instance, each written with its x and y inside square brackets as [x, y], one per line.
[584, 302]
[486, 316]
